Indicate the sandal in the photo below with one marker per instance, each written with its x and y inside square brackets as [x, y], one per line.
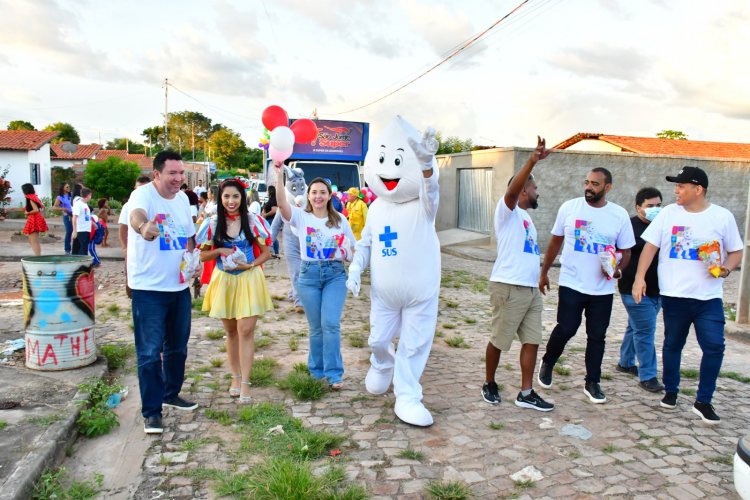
[245, 400]
[234, 392]
[337, 386]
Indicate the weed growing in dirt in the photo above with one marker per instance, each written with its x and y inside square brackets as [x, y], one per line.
[449, 490]
[117, 354]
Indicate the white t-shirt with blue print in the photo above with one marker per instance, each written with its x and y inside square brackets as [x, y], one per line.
[517, 261]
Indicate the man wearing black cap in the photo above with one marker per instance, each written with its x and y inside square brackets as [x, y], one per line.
[699, 244]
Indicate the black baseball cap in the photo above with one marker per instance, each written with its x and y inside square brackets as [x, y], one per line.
[690, 175]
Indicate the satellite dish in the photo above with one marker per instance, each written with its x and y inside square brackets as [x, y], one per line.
[68, 147]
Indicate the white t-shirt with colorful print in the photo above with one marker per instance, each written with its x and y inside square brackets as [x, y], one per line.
[155, 265]
[318, 241]
[679, 234]
[587, 231]
[517, 261]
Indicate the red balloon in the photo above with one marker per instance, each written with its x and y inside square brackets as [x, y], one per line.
[275, 116]
[304, 130]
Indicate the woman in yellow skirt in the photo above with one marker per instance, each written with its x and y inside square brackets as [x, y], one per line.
[237, 293]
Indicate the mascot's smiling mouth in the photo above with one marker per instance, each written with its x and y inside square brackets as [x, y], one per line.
[390, 184]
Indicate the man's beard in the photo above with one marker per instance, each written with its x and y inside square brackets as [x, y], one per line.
[592, 197]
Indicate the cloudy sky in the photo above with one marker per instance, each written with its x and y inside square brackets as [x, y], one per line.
[555, 67]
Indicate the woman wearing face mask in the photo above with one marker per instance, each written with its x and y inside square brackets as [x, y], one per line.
[638, 341]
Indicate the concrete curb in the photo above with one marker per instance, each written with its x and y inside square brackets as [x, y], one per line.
[48, 448]
[737, 332]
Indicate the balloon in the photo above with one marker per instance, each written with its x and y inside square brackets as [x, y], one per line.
[279, 154]
[334, 188]
[344, 197]
[275, 116]
[345, 213]
[304, 130]
[282, 138]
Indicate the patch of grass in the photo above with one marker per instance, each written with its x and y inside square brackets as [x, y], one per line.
[45, 420]
[293, 344]
[113, 309]
[217, 362]
[215, 334]
[722, 459]
[610, 448]
[117, 354]
[96, 418]
[735, 376]
[223, 348]
[357, 340]
[194, 444]
[496, 426]
[300, 367]
[382, 420]
[730, 312]
[470, 321]
[448, 490]
[607, 376]
[3, 424]
[561, 370]
[53, 484]
[262, 342]
[577, 348]
[690, 391]
[508, 366]
[689, 372]
[410, 454]
[197, 304]
[574, 454]
[221, 416]
[214, 386]
[262, 374]
[449, 326]
[303, 386]
[451, 304]
[457, 341]
[202, 474]
[523, 485]
[439, 334]
[357, 399]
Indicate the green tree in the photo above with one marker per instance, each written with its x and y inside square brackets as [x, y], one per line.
[111, 178]
[126, 144]
[227, 148]
[189, 130]
[20, 125]
[452, 144]
[66, 132]
[672, 134]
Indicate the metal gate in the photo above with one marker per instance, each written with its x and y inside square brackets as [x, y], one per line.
[475, 208]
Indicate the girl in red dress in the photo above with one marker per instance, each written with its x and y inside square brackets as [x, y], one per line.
[35, 223]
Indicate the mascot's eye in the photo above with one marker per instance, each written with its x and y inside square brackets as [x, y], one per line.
[381, 159]
[398, 160]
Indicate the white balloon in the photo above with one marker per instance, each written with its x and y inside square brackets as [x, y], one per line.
[282, 138]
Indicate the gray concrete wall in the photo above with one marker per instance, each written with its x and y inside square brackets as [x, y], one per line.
[560, 177]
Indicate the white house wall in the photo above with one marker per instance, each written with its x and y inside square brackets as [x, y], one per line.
[19, 171]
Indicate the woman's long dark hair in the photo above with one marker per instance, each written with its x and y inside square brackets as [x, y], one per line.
[28, 189]
[76, 191]
[221, 220]
[61, 191]
[334, 218]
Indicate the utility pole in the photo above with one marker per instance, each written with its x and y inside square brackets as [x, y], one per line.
[192, 133]
[166, 113]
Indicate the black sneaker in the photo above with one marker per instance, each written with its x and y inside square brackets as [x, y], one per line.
[651, 385]
[490, 394]
[706, 412]
[632, 370]
[153, 425]
[545, 375]
[594, 392]
[669, 400]
[533, 401]
[180, 404]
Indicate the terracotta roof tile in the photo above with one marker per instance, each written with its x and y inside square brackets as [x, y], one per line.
[142, 160]
[24, 140]
[84, 152]
[670, 147]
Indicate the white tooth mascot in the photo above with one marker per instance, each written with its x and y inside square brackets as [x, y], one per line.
[400, 244]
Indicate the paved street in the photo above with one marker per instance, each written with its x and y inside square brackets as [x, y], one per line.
[636, 449]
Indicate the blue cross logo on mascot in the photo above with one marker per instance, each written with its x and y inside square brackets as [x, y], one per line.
[401, 170]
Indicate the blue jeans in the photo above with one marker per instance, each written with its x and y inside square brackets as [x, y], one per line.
[68, 232]
[321, 287]
[162, 324]
[707, 316]
[571, 305]
[639, 335]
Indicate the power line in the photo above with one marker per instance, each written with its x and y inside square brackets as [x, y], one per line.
[453, 54]
[211, 106]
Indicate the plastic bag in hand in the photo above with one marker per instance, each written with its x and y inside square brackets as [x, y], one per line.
[233, 260]
[609, 259]
[190, 264]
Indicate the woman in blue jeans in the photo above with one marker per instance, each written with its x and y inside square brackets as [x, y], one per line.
[325, 240]
[64, 202]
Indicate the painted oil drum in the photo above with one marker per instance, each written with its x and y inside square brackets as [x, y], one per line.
[59, 312]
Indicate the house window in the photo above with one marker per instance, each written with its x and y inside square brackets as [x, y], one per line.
[35, 174]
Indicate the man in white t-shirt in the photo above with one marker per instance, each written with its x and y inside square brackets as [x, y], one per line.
[161, 230]
[590, 228]
[82, 221]
[122, 229]
[699, 244]
[199, 188]
[514, 296]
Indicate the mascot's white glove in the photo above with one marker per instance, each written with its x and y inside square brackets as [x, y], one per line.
[354, 281]
[425, 149]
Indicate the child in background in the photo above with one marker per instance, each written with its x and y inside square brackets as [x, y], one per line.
[35, 223]
[104, 219]
[82, 222]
